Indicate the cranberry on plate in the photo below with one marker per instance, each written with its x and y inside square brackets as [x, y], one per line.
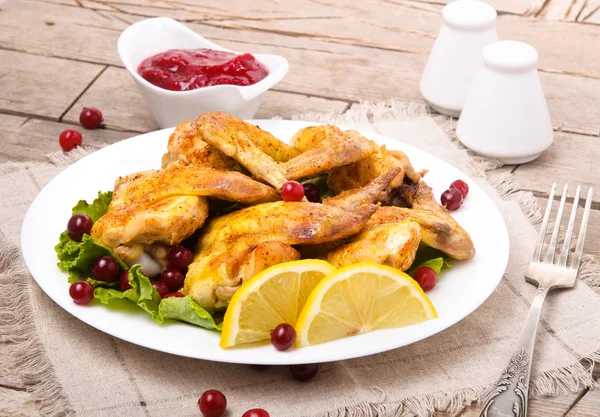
[283, 337]
[180, 257]
[452, 199]
[173, 278]
[292, 191]
[124, 280]
[79, 225]
[425, 277]
[106, 269]
[161, 287]
[461, 186]
[82, 292]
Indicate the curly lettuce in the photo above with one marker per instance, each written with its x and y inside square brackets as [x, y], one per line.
[76, 259]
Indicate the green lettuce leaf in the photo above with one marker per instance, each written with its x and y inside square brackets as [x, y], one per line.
[430, 257]
[76, 258]
[97, 209]
[142, 293]
[187, 310]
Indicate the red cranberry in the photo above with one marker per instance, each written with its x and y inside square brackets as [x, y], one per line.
[426, 277]
[180, 257]
[124, 280]
[292, 191]
[256, 412]
[105, 268]
[304, 372]
[312, 192]
[82, 292]
[461, 186]
[79, 225]
[175, 294]
[212, 403]
[283, 337]
[173, 278]
[90, 117]
[70, 139]
[161, 287]
[452, 199]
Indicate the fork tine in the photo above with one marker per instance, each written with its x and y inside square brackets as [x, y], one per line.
[538, 247]
[552, 246]
[582, 230]
[567, 245]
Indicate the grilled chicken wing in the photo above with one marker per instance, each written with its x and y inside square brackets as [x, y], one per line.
[394, 244]
[186, 148]
[257, 150]
[438, 228]
[230, 250]
[327, 147]
[168, 205]
[361, 172]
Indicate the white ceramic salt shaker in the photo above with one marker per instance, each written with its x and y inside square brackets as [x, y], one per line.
[505, 114]
[469, 25]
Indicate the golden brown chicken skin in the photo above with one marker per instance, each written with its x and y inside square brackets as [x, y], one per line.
[168, 205]
[229, 241]
[186, 148]
[327, 147]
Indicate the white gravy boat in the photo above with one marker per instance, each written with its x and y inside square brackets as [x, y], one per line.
[152, 36]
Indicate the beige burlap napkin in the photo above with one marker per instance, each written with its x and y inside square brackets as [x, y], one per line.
[76, 369]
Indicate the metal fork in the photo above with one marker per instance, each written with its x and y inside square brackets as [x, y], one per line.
[509, 398]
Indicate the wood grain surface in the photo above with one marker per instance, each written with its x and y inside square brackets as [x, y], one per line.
[57, 56]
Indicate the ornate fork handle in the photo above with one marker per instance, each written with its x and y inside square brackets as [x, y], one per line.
[509, 398]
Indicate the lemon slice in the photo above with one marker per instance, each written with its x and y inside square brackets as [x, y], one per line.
[361, 298]
[274, 296]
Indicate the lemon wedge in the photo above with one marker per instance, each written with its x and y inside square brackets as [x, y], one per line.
[361, 298]
[274, 296]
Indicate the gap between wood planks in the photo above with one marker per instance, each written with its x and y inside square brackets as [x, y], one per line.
[87, 87]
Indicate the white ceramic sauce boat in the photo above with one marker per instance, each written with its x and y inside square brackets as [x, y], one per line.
[152, 36]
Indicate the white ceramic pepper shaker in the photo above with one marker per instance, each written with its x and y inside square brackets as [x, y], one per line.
[469, 25]
[505, 114]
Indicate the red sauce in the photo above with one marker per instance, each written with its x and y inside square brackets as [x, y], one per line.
[188, 69]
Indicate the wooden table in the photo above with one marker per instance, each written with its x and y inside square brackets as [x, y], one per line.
[57, 56]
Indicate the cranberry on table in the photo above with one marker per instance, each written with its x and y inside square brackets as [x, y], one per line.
[161, 287]
[82, 292]
[452, 199]
[105, 268]
[425, 277]
[312, 192]
[124, 280]
[90, 117]
[70, 139]
[283, 337]
[174, 294]
[212, 403]
[79, 225]
[304, 372]
[173, 278]
[461, 186]
[292, 191]
[261, 367]
[256, 412]
[180, 257]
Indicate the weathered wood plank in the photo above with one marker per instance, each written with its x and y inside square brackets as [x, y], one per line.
[61, 31]
[588, 406]
[571, 159]
[33, 138]
[129, 112]
[17, 404]
[41, 86]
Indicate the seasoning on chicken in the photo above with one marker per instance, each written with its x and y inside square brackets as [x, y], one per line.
[231, 246]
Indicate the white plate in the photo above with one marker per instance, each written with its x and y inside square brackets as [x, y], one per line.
[459, 291]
